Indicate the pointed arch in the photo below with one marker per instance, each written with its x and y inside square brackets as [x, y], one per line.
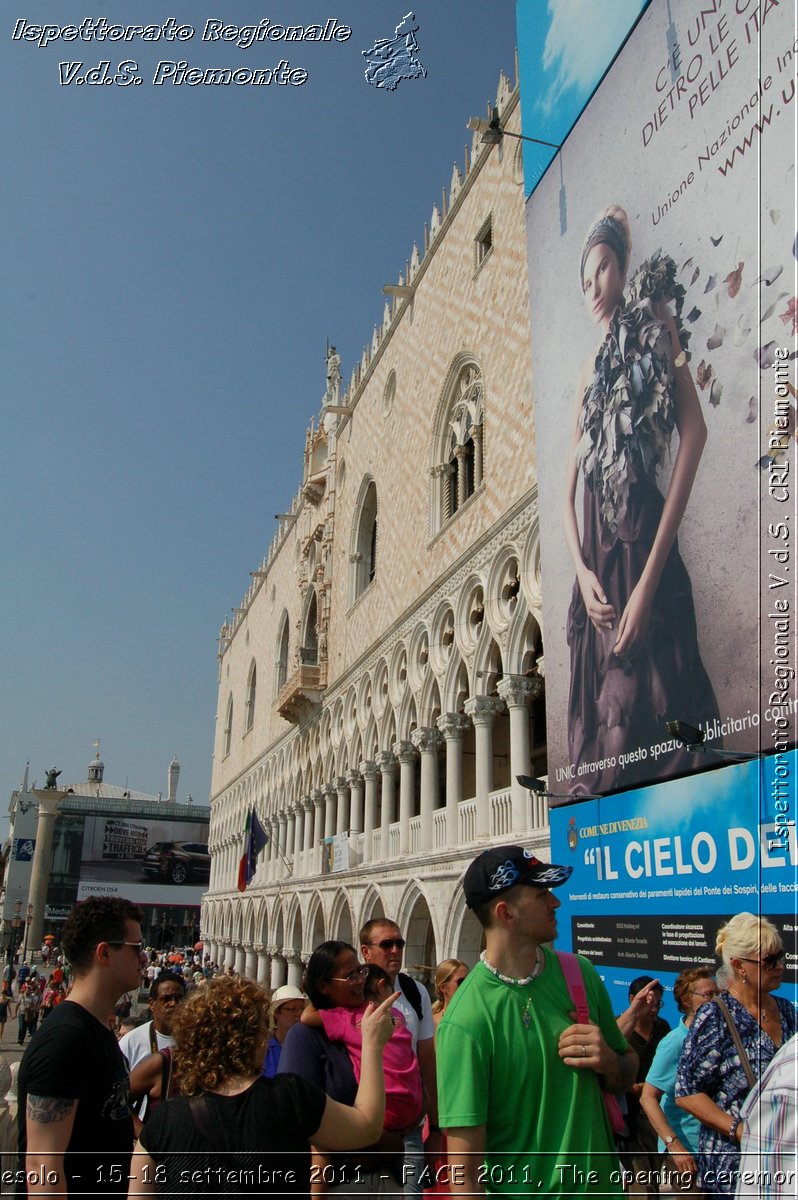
[364, 540]
[249, 699]
[281, 658]
[456, 466]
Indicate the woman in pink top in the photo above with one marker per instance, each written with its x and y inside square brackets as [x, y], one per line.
[403, 1096]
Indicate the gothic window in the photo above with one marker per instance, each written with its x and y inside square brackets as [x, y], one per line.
[483, 243]
[363, 554]
[458, 444]
[309, 651]
[281, 674]
[249, 702]
[228, 727]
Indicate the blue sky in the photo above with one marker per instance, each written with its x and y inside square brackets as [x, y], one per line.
[177, 258]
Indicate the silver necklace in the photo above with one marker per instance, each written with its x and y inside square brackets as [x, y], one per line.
[509, 978]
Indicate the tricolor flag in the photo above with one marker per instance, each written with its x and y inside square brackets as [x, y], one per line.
[255, 838]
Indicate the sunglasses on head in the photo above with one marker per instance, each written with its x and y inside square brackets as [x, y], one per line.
[389, 943]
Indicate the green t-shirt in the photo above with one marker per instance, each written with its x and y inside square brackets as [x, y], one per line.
[547, 1132]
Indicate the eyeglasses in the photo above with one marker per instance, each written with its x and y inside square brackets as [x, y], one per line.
[353, 977]
[706, 995]
[137, 946]
[768, 961]
[389, 943]
[169, 998]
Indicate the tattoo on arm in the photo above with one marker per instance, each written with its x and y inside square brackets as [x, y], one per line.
[46, 1109]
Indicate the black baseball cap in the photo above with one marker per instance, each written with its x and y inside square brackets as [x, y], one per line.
[503, 867]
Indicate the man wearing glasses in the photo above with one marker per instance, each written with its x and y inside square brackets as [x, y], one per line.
[166, 992]
[73, 1078]
[381, 943]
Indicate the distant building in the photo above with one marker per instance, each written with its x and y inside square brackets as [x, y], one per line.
[381, 683]
[110, 840]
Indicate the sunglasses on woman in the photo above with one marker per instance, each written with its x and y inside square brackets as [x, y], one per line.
[768, 961]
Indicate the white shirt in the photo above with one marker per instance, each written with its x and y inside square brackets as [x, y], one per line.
[419, 1030]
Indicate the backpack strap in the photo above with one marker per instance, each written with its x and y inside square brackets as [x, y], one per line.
[201, 1116]
[409, 989]
[569, 964]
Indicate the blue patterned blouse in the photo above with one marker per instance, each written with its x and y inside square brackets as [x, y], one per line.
[709, 1063]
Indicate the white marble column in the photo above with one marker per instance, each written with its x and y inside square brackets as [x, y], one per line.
[386, 763]
[250, 962]
[369, 771]
[299, 815]
[407, 755]
[329, 810]
[317, 796]
[355, 781]
[290, 834]
[454, 727]
[278, 967]
[483, 711]
[427, 741]
[307, 804]
[49, 799]
[342, 795]
[294, 970]
[240, 960]
[282, 845]
[518, 694]
[263, 967]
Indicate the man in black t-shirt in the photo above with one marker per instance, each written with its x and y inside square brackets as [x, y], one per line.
[73, 1078]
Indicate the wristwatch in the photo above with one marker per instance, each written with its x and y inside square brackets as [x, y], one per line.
[667, 1140]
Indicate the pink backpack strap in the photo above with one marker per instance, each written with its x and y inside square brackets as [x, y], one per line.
[569, 965]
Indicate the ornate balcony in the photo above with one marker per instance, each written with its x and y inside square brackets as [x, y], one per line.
[301, 694]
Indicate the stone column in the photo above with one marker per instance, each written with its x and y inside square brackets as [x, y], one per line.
[386, 763]
[294, 969]
[290, 834]
[299, 815]
[369, 771]
[240, 960]
[355, 781]
[342, 791]
[250, 962]
[461, 454]
[518, 694]
[454, 727]
[426, 741]
[317, 796]
[483, 711]
[49, 799]
[307, 804]
[406, 753]
[282, 845]
[263, 967]
[278, 967]
[476, 434]
[329, 810]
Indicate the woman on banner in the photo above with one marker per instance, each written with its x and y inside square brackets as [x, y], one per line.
[631, 624]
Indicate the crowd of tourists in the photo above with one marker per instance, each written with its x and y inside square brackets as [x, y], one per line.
[518, 1080]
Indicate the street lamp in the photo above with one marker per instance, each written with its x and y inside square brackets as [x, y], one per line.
[28, 919]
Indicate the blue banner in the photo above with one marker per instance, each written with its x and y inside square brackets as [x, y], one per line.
[657, 871]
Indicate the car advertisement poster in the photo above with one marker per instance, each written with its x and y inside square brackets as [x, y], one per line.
[662, 252]
[657, 871]
[146, 861]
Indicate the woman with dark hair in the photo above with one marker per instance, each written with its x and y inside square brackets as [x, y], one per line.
[230, 1119]
[333, 976]
[631, 625]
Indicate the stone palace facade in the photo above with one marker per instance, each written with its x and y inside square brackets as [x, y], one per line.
[381, 682]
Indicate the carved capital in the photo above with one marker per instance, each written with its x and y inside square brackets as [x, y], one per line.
[426, 740]
[386, 762]
[454, 726]
[369, 770]
[317, 796]
[353, 778]
[330, 793]
[340, 784]
[405, 751]
[519, 693]
[483, 710]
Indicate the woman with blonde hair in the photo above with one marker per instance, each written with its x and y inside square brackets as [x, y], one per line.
[230, 1118]
[449, 974]
[730, 1043]
[631, 624]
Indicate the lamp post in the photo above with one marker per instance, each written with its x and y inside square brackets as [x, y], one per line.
[28, 919]
[16, 921]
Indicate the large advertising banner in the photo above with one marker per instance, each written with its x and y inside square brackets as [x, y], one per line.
[662, 252]
[148, 862]
[653, 880]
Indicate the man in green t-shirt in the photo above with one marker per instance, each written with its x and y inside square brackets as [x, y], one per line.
[519, 1083]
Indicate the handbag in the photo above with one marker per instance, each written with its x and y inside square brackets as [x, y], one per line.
[569, 964]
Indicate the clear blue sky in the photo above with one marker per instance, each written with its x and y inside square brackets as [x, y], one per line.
[176, 258]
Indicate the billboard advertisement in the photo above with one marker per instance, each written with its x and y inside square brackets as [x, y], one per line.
[148, 862]
[662, 252]
[657, 871]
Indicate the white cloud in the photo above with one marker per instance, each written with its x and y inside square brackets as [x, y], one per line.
[583, 36]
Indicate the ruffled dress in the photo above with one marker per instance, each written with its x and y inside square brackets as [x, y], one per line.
[619, 706]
